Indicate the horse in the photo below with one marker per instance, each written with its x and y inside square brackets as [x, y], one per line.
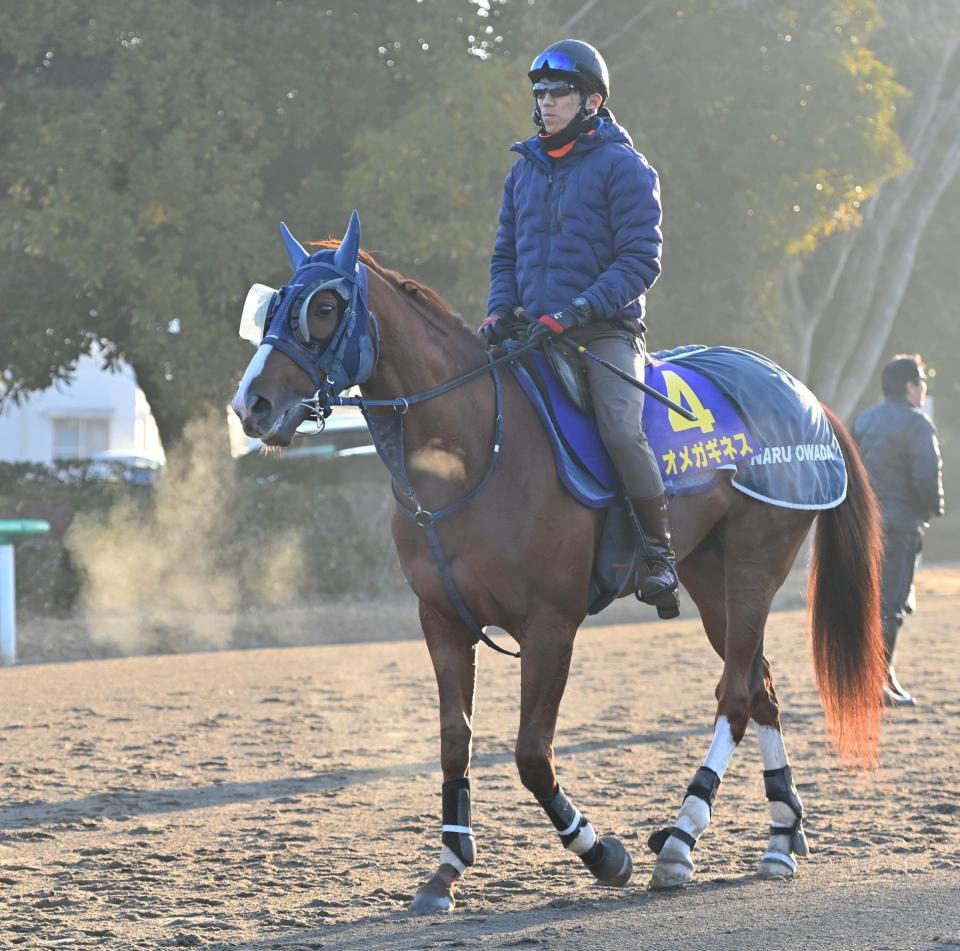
[517, 552]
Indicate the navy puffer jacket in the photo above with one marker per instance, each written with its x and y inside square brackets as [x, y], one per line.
[585, 224]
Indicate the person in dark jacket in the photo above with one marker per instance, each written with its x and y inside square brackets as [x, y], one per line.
[900, 450]
[578, 245]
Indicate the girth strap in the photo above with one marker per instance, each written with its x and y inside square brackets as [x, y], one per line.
[453, 592]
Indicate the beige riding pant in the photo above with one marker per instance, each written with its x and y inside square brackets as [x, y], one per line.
[618, 407]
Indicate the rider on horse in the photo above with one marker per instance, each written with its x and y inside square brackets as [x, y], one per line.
[579, 242]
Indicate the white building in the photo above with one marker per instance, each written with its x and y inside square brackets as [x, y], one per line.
[100, 411]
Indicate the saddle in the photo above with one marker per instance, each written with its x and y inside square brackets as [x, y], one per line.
[571, 373]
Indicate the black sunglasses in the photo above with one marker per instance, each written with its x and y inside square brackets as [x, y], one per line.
[555, 90]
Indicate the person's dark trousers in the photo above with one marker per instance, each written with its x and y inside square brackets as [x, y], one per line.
[900, 552]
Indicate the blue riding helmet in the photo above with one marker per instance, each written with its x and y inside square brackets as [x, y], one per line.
[350, 354]
[576, 60]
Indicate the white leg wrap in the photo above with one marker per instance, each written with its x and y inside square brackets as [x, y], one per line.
[449, 857]
[694, 815]
[693, 818]
[584, 841]
[771, 747]
[780, 848]
[722, 747]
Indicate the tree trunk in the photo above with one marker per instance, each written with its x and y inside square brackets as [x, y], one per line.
[841, 304]
[167, 414]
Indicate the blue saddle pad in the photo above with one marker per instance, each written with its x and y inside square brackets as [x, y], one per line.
[752, 417]
[583, 464]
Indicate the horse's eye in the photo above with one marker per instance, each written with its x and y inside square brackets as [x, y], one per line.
[320, 307]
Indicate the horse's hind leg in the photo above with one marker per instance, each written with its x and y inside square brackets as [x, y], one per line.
[759, 545]
[787, 837]
[545, 663]
[454, 657]
[702, 574]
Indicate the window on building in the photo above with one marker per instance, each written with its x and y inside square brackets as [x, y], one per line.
[80, 438]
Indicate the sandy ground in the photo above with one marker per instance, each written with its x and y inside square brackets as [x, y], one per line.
[289, 798]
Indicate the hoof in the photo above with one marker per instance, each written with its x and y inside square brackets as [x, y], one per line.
[776, 865]
[616, 866]
[671, 872]
[428, 902]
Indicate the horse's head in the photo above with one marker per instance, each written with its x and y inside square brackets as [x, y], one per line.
[314, 333]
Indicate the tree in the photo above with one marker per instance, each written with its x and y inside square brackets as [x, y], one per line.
[151, 151]
[843, 302]
[767, 123]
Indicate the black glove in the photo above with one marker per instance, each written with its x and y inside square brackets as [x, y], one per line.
[577, 313]
[497, 327]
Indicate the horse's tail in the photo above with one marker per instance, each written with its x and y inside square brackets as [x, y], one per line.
[844, 599]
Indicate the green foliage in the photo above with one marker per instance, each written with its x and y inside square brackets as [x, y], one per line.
[150, 150]
[427, 184]
[769, 124]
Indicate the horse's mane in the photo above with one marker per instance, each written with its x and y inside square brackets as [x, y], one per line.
[419, 292]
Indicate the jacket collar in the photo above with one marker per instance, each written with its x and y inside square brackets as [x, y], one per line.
[607, 131]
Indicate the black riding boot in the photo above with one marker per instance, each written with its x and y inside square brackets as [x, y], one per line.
[893, 694]
[660, 586]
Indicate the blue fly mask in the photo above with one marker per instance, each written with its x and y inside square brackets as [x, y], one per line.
[278, 318]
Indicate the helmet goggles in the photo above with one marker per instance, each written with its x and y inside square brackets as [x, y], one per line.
[554, 61]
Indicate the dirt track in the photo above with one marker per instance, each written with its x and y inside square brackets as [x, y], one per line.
[290, 798]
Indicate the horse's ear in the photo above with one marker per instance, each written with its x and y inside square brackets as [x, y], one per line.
[346, 256]
[295, 250]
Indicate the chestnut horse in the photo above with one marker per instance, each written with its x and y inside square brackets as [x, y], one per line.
[521, 553]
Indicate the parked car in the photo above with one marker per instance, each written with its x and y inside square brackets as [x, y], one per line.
[118, 465]
[341, 450]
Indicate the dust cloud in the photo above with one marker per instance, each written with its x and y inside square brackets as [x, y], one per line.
[172, 573]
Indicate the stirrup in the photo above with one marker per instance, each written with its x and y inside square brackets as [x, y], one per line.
[665, 599]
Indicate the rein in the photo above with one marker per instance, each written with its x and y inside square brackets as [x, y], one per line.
[323, 402]
[387, 434]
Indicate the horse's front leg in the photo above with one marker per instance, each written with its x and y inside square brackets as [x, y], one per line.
[545, 663]
[454, 657]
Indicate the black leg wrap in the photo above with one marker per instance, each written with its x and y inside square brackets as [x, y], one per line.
[658, 840]
[568, 821]
[456, 813]
[779, 786]
[561, 813]
[704, 786]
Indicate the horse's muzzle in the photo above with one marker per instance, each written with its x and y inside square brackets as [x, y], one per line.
[274, 427]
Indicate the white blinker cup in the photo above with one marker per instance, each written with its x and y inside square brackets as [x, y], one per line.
[255, 310]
